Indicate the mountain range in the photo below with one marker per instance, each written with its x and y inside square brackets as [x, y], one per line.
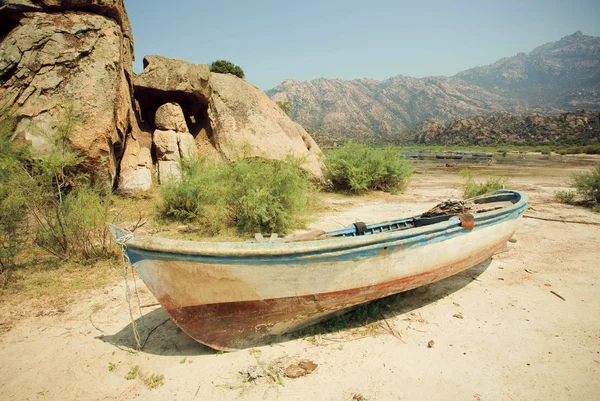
[554, 78]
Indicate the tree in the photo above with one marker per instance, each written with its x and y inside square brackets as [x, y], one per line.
[226, 67]
[285, 106]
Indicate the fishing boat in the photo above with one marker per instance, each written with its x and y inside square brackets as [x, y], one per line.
[234, 295]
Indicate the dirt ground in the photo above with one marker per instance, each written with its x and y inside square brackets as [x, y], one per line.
[493, 332]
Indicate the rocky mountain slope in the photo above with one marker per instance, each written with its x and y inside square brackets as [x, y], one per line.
[553, 78]
[562, 75]
[571, 128]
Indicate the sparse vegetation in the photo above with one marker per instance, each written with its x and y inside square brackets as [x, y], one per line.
[252, 195]
[358, 169]
[111, 367]
[154, 381]
[588, 186]
[285, 106]
[567, 197]
[12, 200]
[46, 199]
[226, 67]
[133, 373]
[473, 188]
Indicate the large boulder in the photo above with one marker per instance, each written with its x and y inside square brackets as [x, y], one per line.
[60, 66]
[246, 123]
[136, 166]
[167, 80]
[169, 116]
[166, 145]
[188, 149]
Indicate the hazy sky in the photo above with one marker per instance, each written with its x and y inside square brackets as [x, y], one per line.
[275, 40]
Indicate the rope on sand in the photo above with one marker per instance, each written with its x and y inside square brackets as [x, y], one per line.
[591, 223]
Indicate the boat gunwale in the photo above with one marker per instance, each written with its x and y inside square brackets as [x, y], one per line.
[330, 245]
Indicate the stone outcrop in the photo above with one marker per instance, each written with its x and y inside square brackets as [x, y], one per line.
[168, 80]
[572, 128]
[246, 123]
[216, 116]
[172, 141]
[167, 155]
[137, 165]
[69, 61]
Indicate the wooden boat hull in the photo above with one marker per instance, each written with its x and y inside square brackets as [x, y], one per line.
[238, 294]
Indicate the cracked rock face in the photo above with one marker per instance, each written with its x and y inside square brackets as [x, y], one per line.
[72, 66]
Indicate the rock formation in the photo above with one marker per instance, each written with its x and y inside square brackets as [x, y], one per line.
[74, 64]
[246, 123]
[71, 61]
[172, 141]
[136, 165]
[221, 114]
[573, 128]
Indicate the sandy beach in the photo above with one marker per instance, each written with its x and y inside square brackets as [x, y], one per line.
[522, 326]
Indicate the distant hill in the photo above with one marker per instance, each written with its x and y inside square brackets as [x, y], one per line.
[554, 78]
[572, 128]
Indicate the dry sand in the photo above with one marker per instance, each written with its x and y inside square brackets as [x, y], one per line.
[496, 330]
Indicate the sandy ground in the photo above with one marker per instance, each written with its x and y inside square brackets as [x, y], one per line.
[498, 332]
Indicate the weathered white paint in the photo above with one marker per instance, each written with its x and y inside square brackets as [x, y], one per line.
[190, 283]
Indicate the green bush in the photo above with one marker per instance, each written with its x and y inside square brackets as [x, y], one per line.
[588, 185]
[285, 106]
[74, 228]
[472, 188]
[197, 197]
[50, 192]
[358, 169]
[12, 199]
[252, 195]
[226, 67]
[567, 197]
[592, 149]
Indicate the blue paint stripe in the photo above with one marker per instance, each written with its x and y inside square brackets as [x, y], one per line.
[349, 252]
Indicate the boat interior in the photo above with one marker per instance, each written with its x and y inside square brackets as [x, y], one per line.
[480, 205]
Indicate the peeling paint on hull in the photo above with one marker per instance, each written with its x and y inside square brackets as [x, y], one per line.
[235, 298]
[231, 326]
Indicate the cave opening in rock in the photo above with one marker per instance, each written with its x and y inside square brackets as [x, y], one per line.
[194, 110]
[7, 24]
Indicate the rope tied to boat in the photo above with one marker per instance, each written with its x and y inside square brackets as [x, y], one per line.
[122, 242]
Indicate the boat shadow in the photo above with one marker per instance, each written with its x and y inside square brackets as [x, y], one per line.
[160, 336]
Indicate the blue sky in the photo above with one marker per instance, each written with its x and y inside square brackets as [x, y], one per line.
[275, 40]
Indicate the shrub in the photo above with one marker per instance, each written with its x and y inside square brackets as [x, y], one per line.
[74, 228]
[66, 213]
[358, 169]
[226, 67]
[12, 199]
[252, 195]
[472, 188]
[285, 106]
[588, 185]
[592, 149]
[567, 197]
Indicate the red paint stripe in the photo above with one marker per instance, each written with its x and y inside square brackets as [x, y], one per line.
[233, 325]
